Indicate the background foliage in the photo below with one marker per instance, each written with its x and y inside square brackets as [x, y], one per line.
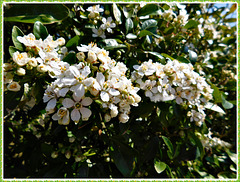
[161, 144]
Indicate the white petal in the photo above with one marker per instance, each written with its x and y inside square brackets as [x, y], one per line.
[51, 104]
[104, 96]
[55, 117]
[86, 113]
[63, 92]
[67, 103]
[100, 78]
[74, 71]
[114, 92]
[78, 92]
[85, 71]
[75, 115]
[86, 101]
[69, 81]
[65, 120]
[148, 93]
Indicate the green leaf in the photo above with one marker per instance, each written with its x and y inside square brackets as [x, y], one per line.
[148, 9]
[128, 11]
[214, 107]
[30, 13]
[123, 156]
[159, 166]
[144, 33]
[117, 13]
[229, 40]
[191, 24]
[168, 143]
[226, 104]
[149, 24]
[39, 30]
[155, 54]
[38, 91]
[73, 42]
[232, 156]
[198, 143]
[183, 59]
[70, 58]
[131, 36]
[15, 33]
[12, 50]
[229, 20]
[167, 56]
[129, 24]
[150, 150]
[217, 94]
[12, 99]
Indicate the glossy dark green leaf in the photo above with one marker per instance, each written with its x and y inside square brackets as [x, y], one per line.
[151, 149]
[144, 33]
[229, 40]
[191, 24]
[155, 54]
[12, 50]
[226, 104]
[123, 157]
[148, 9]
[30, 13]
[183, 59]
[198, 144]
[12, 99]
[169, 144]
[73, 42]
[149, 24]
[129, 24]
[15, 33]
[70, 58]
[159, 166]
[167, 56]
[38, 91]
[39, 30]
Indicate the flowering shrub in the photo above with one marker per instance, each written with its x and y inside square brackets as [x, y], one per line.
[120, 90]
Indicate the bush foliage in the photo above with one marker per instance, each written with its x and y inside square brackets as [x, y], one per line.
[119, 91]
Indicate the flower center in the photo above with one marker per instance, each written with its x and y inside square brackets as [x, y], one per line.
[78, 105]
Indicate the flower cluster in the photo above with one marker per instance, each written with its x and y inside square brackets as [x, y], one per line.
[105, 84]
[106, 23]
[41, 55]
[174, 81]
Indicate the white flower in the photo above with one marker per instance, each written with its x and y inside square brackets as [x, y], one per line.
[79, 110]
[42, 68]
[61, 41]
[123, 118]
[32, 62]
[99, 33]
[14, 86]
[107, 24]
[85, 48]
[62, 116]
[92, 57]
[27, 40]
[95, 9]
[20, 58]
[21, 71]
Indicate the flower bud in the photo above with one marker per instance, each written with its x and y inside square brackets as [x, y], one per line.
[81, 56]
[107, 117]
[92, 57]
[42, 68]
[61, 41]
[68, 154]
[7, 66]
[114, 112]
[21, 71]
[14, 86]
[54, 154]
[71, 140]
[123, 118]
[32, 62]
